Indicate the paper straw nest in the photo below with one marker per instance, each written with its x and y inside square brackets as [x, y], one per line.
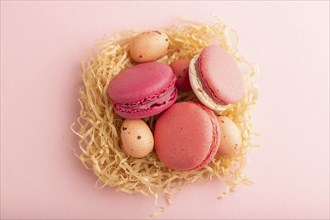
[98, 127]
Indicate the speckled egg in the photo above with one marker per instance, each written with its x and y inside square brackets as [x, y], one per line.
[231, 139]
[137, 138]
[148, 46]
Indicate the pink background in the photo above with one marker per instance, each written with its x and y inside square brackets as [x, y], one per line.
[42, 44]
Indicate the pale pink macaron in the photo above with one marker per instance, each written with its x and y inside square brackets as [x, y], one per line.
[216, 78]
[181, 70]
[187, 136]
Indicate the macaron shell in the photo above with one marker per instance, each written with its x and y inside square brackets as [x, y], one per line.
[216, 138]
[140, 81]
[198, 88]
[186, 137]
[181, 70]
[220, 75]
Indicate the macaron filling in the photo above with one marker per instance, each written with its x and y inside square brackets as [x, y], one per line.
[148, 103]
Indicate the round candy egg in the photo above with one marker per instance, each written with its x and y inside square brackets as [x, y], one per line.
[148, 46]
[181, 70]
[137, 138]
[231, 139]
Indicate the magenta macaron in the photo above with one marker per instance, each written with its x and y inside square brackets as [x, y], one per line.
[187, 136]
[143, 90]
[216, 78]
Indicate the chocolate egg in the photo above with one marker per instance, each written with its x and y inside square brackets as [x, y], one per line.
[148, 46]
[231, 139]
[137, 138]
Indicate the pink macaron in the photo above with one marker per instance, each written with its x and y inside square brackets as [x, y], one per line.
[143, 90]
[181, 70]
[187, 136]
[216, 78]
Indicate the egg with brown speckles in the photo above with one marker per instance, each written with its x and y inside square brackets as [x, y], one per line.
[148, 46]
[231, 140]
[137, 138]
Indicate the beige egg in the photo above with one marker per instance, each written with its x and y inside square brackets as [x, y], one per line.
[148, 46]
[137, 138]
[231, 139]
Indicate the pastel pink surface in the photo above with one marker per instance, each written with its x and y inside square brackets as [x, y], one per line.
[143, 90]
[42, 44]
[181, 70]
[187, 136]
[220, 75]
